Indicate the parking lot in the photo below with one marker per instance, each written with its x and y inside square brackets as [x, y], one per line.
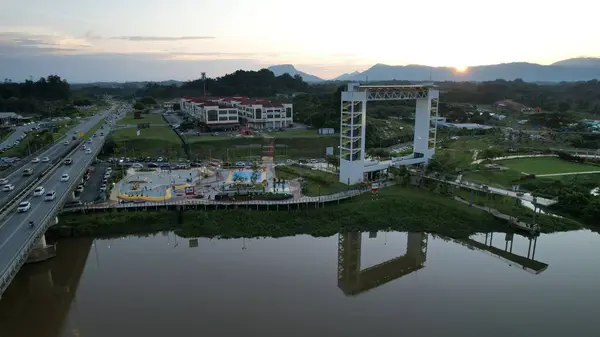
[91, 191]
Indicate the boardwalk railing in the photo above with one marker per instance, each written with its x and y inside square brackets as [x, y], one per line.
[195, 202]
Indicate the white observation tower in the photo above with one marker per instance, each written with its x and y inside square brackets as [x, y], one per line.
[353, 164]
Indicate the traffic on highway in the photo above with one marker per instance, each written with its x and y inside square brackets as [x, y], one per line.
[17, 180]
[20, 223]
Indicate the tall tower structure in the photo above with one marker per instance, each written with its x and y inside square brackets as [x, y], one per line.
[354, 100]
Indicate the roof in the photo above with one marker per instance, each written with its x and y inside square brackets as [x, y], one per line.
[9, 115]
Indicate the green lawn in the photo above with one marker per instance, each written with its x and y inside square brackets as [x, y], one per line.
[496, 178]
[145, 118]
[295, 133]
[154, 142]
[316, 182]
[241, 148]
[546, 165]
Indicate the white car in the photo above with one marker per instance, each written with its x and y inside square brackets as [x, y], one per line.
[103, 188]
[50, 195]
[24, 206]
[39, 191]
[3, 181]
[88, 151]
[64, 177]
[36, 160]
[79, 189]
[45, 160]
[66, 142]
[8, 187]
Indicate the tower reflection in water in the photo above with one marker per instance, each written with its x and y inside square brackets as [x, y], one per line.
[40, 297]
[353, 281]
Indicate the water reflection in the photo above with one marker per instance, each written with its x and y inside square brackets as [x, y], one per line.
[40, 297]
[527, 263]
[353, 281]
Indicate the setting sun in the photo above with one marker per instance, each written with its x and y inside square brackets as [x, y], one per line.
[461, 69]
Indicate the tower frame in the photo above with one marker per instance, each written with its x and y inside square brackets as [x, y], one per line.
[353, 121]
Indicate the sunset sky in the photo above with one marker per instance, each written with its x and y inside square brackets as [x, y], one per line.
[91, 40]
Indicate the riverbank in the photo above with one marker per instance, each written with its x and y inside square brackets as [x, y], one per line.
[396, 208]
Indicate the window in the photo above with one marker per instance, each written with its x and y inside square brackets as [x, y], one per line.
[211, 115]
[288, 112]
[233, 118]
[258, 113]
[222, 112]
[269, 116]
[222, 118]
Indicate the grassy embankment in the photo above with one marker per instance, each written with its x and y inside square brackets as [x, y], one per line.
[315, 182]
[397, 208]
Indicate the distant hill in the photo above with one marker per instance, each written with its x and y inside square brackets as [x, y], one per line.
[281, 69]
[587, 62]
[568, 70]
[346, 76]
[123, 84]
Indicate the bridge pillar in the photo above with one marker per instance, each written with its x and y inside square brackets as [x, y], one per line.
[41, 251]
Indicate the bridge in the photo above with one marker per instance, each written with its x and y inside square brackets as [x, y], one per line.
[17, 239]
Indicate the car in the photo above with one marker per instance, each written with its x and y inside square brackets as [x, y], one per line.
[88, 151]
[50, 195]
[39, 191]
[64, 177]
[107, 175]
[8, 187]
[66, 142]
[3, 181]
[68, 161]
[103, 188]
[84, 147]
[45, 160]
[79, 188]
[24, 206]
[89, 141]
[35, 160]
[27, 172]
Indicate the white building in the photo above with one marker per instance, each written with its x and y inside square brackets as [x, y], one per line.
[231, 112]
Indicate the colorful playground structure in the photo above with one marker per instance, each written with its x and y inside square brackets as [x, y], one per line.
[156, 186]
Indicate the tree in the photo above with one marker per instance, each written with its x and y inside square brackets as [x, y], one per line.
[139, 106]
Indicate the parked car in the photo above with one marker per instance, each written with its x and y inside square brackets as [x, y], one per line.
[24, 206]
[39, 191]
[103, 188]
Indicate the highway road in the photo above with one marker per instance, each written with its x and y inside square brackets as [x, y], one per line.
[14, 228]
[18, 131]
[54, 153]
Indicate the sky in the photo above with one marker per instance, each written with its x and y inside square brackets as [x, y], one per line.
[135, 40]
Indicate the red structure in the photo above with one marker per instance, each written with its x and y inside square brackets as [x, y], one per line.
[137, 115]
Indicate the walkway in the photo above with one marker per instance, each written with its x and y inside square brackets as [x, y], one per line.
[565, 174]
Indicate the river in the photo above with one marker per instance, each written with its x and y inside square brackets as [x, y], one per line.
[369, 284]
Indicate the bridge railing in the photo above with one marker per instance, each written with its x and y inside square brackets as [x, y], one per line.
[9, 272]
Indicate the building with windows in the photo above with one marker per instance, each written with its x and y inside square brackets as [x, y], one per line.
[231, 112]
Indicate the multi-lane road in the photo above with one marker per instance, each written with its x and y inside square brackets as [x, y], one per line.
[17, 133]
[15, 231]
[55, 152]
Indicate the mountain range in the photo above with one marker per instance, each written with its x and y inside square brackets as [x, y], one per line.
[571, 70]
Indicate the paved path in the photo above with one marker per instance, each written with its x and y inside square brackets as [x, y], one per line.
[566, 174]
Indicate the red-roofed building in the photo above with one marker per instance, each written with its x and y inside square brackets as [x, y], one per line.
[230, 112]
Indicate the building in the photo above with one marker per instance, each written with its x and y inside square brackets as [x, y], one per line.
[230, 112]
[9, 118]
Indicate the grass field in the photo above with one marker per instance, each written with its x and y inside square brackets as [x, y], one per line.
[232, 149]
[546, 165]
[146, 118]
[316, 182]
[153, 142]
